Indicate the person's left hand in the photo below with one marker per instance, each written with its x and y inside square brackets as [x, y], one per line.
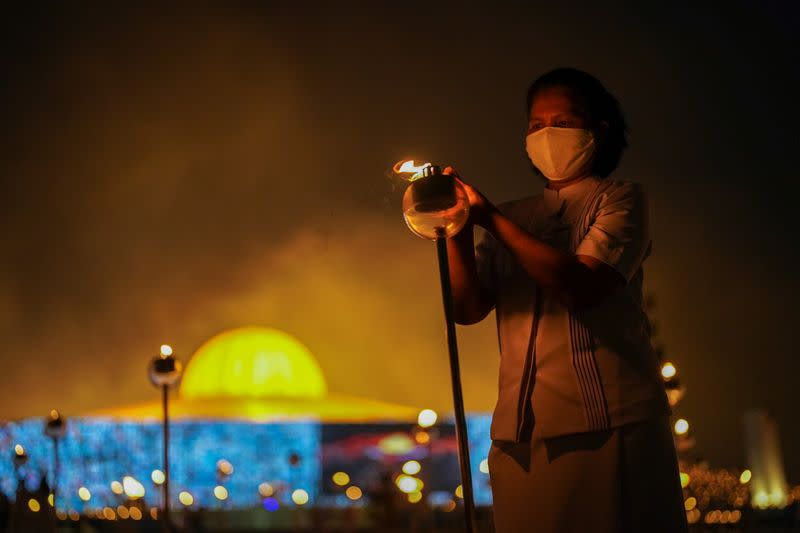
[480, 208]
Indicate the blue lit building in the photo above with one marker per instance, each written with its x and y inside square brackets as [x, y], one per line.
[252, 415]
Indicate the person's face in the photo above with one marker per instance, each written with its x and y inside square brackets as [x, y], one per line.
[557, 107]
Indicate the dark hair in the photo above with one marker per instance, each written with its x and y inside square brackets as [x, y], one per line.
[602, 106]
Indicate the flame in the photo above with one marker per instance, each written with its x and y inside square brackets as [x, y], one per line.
[408, 167]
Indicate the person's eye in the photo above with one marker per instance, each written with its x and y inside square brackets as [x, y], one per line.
[534, 126]
[563, 123]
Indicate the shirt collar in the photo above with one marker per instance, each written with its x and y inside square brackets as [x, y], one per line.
[573, 190]
[555, 199]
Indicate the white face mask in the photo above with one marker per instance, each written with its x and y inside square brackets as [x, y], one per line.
[561, 153]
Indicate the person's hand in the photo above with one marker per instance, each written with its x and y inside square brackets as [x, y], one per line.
[480, 208]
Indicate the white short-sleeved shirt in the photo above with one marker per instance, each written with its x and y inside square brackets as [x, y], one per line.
[584, 370]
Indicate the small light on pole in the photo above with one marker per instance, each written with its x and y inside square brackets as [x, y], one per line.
[55, 427]
[164, 372]
[20, 458]
[436, 207]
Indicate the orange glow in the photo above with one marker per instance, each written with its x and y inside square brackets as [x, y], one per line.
[690, 503]
[409, 167]
[353, 492]
[266, 490]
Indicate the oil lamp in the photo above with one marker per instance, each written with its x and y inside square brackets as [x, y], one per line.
[436, 207]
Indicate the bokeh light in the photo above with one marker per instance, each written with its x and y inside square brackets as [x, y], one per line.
[186, 498]
[158, 477]
[33, 505]
[408, 484]
[300, 497]
[84, 494]
[681, 426]
[271, 504]
[225, 467]
[353, 492]
[265, 490]
[411, 468]
[427, 418]
[133, 489]
[220, 492]
[341, 478]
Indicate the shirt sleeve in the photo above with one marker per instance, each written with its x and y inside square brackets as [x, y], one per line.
[485, 252]
[620, 233]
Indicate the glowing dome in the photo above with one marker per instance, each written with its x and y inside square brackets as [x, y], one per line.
[260, 374]
[253, 362]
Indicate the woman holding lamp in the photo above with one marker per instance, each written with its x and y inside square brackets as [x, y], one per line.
[581, 439]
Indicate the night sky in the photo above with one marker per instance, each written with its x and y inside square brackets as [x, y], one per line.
[168, 173]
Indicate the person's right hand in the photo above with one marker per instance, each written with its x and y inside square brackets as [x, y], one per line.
[480, 208]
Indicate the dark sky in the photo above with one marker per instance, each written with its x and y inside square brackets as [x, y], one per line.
[168, 173]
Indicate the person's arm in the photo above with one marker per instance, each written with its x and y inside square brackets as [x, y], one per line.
[471, 301]
[581, 280]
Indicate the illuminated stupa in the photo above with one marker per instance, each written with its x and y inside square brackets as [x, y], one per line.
[260, 374]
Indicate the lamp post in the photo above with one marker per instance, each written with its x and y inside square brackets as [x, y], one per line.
[164, 372]
[19, 459]
[55, 427]
[436, 207]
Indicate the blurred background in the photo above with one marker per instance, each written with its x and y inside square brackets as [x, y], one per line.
[170, 173]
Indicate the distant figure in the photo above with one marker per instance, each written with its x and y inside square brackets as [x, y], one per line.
[581, 439]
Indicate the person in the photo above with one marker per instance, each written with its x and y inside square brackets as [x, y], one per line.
[581, 438]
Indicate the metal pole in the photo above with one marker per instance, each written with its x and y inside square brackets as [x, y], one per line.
[455, 377]
[165, 403]
[56, 469]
